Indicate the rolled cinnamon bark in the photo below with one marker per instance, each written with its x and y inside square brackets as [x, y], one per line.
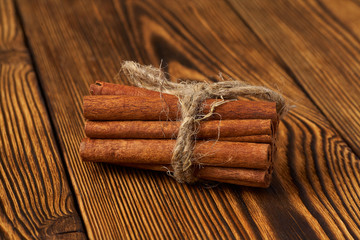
[110, 107]
[159, 152]
[238, 176]
[225, 129]
[104, 88]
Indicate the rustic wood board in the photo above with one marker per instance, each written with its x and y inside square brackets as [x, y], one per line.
[35, 196]
[315, 192]
[345, 13]
[320, 53]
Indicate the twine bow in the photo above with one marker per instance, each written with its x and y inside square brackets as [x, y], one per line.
[191, 96]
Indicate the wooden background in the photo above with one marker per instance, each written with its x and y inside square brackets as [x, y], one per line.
[50, 51]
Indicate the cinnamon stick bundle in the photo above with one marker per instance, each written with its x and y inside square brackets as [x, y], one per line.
[159, 152]
[133, 127]
[227, 130]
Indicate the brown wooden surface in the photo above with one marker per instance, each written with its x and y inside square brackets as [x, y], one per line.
[308, 49]
[35, 196]
[327, 60]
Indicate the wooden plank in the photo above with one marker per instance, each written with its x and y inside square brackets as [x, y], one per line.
[346, 13]
[315, 190]
[35, 197]
[326, 63]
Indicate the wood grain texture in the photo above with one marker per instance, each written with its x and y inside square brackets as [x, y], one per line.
[345, 13]
[326, 64]
[35, 198]
[315, 190]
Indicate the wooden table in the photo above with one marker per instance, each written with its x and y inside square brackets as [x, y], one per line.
[50, 51]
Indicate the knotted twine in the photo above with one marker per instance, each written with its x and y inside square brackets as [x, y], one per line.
[191, 97]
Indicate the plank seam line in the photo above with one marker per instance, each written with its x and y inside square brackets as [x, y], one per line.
[47, 109]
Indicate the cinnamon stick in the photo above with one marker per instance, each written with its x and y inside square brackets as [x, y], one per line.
[158, 152]
[238, 176]
[105, 88]
[110, 107]
[225, 129]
